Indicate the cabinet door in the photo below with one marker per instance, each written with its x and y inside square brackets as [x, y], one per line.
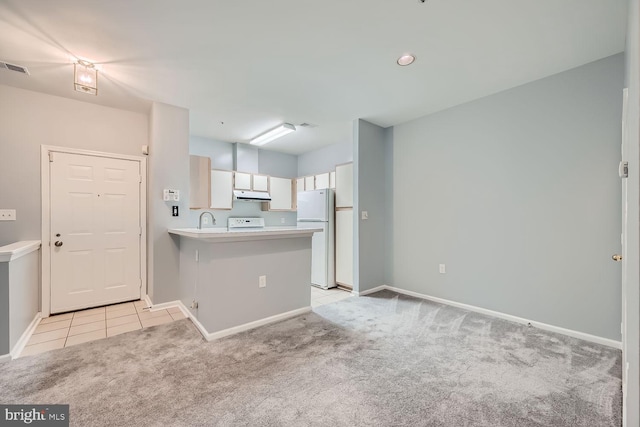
[300, 184]
[199, 182]
[221, 189]
[260, 183]
[242, 181]
[309, 183]
[322, 181]
[344, 185]
[332, 179]
[281, 191]
[344, 247]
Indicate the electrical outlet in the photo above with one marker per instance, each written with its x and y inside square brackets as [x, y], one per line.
[7, 214]
[262, 281]
[194, 304]
[442, 268]
[281, 220]
[365, 215]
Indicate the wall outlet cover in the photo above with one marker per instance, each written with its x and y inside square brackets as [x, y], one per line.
[7, 214]
[442, 268]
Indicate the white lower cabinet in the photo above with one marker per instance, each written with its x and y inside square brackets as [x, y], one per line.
[344, 247]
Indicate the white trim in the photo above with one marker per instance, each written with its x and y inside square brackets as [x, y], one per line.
[147, 299]
[5, 358]
[369, 291]
[18, 249]
[26, 335]
[45, 296]
[211, 336]
[544, 326]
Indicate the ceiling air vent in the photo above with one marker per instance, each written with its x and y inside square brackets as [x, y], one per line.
[307, 125]
[14, 67]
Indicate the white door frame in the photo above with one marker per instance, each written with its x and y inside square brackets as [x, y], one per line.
[45, 296]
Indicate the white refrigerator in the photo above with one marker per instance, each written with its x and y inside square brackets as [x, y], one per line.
[316, 209]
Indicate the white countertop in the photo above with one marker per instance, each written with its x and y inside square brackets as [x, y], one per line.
[18, 249]
[222, 234]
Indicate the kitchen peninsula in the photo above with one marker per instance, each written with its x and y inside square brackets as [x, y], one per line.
[233, 280]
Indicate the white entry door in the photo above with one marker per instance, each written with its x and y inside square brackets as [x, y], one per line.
[95, 231]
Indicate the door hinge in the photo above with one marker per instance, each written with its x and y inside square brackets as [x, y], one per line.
[50, 156]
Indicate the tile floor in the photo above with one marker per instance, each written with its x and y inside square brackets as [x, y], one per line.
[321, 297]
[64, 330]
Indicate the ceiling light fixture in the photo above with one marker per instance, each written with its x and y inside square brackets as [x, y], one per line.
[272, 134]
[85, 77]
[406, 59]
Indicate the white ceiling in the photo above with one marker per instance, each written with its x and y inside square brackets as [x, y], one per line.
[253, 64]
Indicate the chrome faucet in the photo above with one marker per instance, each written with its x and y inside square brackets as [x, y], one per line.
[213, 219]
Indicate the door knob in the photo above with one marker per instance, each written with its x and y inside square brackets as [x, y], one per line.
[58, 243]
[616, 257]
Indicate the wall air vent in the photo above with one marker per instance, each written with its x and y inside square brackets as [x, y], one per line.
[14, 67]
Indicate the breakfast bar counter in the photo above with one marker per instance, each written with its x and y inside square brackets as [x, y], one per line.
[231, 281]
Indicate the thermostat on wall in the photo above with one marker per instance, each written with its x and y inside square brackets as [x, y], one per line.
[171, 195]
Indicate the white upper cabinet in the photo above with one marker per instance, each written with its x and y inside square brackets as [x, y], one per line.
[221, 189]
[309, 183]
[260, 183]
[344, 185]
[300, 184]
[200, 182]
[242, 181]
[332, 179]
[281, 192]
[322, 181]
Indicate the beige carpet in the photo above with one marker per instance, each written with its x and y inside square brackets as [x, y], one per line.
[381, 360]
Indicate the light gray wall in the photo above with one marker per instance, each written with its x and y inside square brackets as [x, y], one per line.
[388, 206]
[268, 163]
[168, 168]
[325, 159]
[31, 119]
[221, 153]
[278, 164]
[518, 194]
[369, 180]
[245, 158]
[24, 295]
[5, 346]
[631, 264]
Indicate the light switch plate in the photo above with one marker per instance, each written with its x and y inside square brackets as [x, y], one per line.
[365, 215]
[7, 214]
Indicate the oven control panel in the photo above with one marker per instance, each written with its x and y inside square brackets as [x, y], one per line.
[245, 223]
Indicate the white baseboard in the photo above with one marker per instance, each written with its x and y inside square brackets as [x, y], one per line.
[369, 291]
[5, 358]
[569, 332]
[24, 338]
[252, 325]
[148, 301]
[211, 336]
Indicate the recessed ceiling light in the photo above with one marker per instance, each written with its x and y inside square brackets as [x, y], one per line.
[406, 59]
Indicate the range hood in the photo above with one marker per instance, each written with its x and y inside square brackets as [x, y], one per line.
[251, 196]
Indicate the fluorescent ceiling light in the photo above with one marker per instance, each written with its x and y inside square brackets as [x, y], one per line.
[272, 134]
